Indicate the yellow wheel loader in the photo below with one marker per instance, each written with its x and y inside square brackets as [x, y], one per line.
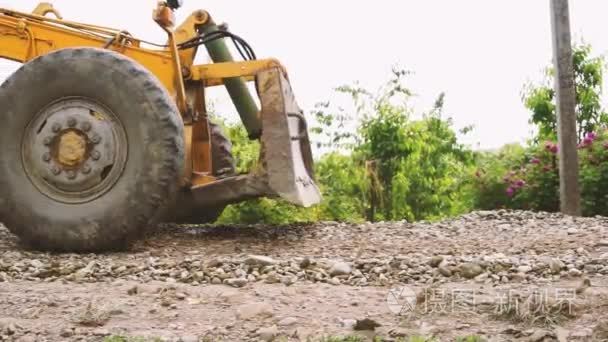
[104, 134]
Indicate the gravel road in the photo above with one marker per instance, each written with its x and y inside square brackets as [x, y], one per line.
[503, 275]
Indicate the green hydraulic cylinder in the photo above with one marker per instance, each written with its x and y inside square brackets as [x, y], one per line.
[236, 86]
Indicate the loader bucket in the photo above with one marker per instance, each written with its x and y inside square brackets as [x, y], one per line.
[286, 164]
[285, 144]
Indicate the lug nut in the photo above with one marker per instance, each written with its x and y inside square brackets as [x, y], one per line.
[71, 122]
[96, 139]
[86, 126]
[86, 169]
[46, 157]
[71, 174]
[56, 170]
[47, 141]
[56, 127]
[95, 155]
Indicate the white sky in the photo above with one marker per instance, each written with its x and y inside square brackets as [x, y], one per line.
[480, 52]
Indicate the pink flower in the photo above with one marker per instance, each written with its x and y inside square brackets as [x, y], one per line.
[546, 168]
[606, 145]
[510, 191]
[535, 160]
[587, 141]
[520, 183]
[554, 149]
[551, 147]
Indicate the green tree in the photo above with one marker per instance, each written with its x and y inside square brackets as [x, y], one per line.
[540, 98]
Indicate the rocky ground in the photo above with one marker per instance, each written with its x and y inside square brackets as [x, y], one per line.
[501, 276]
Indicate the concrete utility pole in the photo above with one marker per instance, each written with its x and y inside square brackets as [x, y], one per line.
[566, 102]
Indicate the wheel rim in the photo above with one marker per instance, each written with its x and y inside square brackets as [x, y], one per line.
[74, 150]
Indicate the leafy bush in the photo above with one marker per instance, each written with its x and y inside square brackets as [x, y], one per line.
[417, 163]
[593, 161]
[535, 185]
[488, 186]
[342, 180]
[528, 179]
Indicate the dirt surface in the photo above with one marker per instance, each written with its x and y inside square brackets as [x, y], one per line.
[505, 276]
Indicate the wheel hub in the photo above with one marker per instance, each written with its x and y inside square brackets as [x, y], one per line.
[74, 150]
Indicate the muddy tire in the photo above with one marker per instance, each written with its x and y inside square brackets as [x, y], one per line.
[223, 165]
[92, 150]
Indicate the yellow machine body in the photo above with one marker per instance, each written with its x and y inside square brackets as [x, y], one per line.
[25, 36]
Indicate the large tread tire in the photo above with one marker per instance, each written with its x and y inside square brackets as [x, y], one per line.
[223, 165]
[149, 181]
